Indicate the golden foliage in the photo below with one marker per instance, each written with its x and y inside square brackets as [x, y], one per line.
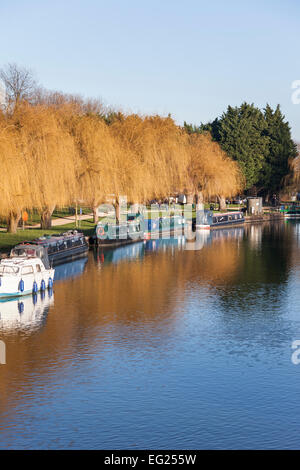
[211, 171]
[55, 154]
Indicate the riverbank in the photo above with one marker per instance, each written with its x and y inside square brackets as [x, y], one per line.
[8, 240]
[266, 217]
[87, 226]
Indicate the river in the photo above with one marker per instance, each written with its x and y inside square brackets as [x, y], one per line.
[153, 346]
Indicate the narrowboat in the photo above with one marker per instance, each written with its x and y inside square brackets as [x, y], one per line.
[26, 271]
[291, 209]
[209, 220]
[110, 234]
[63, 247]
[164, 227]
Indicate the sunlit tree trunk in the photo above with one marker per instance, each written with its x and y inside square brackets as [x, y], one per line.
[46, 220]
[222, 203]
[199, 201]
[95, 214]
[190, 198]
[117, 209]
[12, 222]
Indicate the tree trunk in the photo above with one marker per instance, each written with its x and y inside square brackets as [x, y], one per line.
[95, 214]
[222, 203]
[46, 221]
[199, 201]
[12, 222]
[117, 209]
[190, 198]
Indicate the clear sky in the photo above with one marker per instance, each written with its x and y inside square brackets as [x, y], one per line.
[188, 58]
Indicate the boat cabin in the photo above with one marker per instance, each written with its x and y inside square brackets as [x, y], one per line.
[208, 219]
[28, 250]
[62, 247]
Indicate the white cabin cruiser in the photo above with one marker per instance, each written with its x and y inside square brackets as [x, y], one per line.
[26, 271]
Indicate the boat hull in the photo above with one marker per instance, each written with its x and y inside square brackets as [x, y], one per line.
[65, 256]
[220, 225]
[32, 283]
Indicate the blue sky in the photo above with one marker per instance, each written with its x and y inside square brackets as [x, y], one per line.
[190, 59]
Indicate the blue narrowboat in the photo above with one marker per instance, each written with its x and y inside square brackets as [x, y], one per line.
[210, 220]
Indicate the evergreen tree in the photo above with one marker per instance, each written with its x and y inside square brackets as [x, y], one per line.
[281, 149]
[191, 128]
[259, 141]
[211, 127]
[241, 132]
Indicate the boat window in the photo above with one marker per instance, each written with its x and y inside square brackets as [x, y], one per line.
[23, 252]
[215, 220]
[27, 270]
[30, 252]
[18, 252]
[38, 268]
[8, 270]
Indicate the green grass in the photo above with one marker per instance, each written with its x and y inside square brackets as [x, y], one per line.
[8, 240]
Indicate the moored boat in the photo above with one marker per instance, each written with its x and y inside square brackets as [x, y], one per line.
[291, 209]
[137, 228]
[108, 233]
[210, 220]
[26, 271]
[63, 247]
[164, 227]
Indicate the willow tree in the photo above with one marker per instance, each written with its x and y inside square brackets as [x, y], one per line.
[49, 155]
[152, 157]
[97, 155]
[15, 182]
[292, 180]
[211, 171]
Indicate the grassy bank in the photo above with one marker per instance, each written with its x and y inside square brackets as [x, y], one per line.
[8, 240]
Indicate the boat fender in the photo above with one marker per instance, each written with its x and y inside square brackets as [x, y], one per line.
[34, 287]
[43, 285]
[50, 283]
[21, 307]
[21, 285]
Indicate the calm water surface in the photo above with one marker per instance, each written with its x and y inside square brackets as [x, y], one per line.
[153, 346]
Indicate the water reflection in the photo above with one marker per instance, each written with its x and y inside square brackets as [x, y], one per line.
[70, 270]
[134, 251]
[25, 314]
[138, 327]
[28, 313]
[128, 252]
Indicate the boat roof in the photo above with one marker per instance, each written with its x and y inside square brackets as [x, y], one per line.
[51, 238]
[228, 213]
[20, 261]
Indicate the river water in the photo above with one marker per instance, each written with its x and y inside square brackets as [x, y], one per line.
[152, 346]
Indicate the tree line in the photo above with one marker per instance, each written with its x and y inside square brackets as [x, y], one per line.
[259, 140]
[58, 149]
